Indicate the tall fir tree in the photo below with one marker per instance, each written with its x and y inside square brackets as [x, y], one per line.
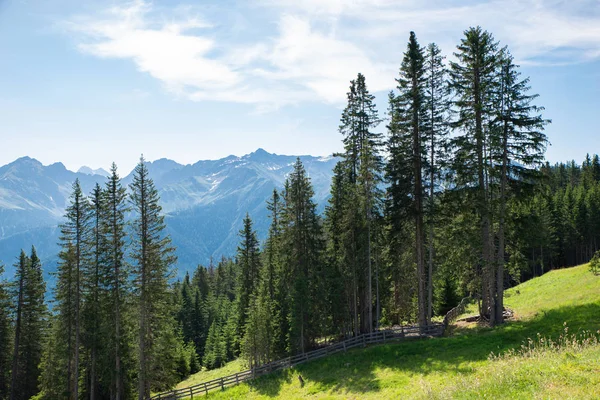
[5, 336]
[117, 288]
[473, 78]
[362, 167]
[153, 258]
[69, 289]
[518, 146]
[248, 259]
[435, 127]
[302, 255]
[94, 318]
[410, 105]
[16, 379]
[400, 271]
[33, 329]
[341, 295]
[57, 361]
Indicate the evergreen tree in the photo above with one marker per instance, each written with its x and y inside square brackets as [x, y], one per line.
[369, 179]
[362, 167]
[341, 295]
[265, 313]
[473, 78]
[16, 379]
[435, 127]
[33, 328]
[521, 146]
[5, 337]
[186, 311]
[410, 106]
[215, 351]
[94, 318]
[248, 259]
[301, 251]
[57, 378]
[153, 257]
[398, 202]
[69, 288]
[116, 293]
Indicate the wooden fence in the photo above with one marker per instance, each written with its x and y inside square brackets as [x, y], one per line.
[453, 314]
[357, 341]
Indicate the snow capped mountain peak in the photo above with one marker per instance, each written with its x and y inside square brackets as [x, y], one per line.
[89, 171]
[204, 202]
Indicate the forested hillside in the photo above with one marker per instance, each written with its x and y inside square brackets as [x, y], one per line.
[550, 350]
[446, 194]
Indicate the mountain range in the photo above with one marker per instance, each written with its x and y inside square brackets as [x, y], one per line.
[204, 202]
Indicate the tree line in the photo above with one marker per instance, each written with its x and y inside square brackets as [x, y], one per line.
[442, 196]
[111, 332]
[417, 217]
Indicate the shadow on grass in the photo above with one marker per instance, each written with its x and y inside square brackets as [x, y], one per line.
[355, 372]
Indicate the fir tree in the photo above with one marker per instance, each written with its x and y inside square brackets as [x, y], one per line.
[248, 259]
[520, 145]
[410, 106]
[302, 248]
[73, 255]
[474, 80]
[5, 337]
[435, 127]
[57, 379]
[116, 283]
[153, 257]
[16, 379]
[33, 330]
[94, 321]
[362, 166]
[398, 201]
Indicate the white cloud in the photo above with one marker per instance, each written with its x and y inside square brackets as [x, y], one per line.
[321, 62]
[317, 46]
[166, 52]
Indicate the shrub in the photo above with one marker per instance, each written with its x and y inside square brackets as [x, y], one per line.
[595, 263]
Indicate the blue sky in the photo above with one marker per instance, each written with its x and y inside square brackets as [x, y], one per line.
[88, 82]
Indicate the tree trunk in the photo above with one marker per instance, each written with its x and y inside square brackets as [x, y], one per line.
[501, 244]
[418, 196]
[488, 267]
[431, 201]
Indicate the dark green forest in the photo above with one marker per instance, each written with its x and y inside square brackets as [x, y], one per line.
[445, 194]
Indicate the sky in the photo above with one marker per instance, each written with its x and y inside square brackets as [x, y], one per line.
[89, 82]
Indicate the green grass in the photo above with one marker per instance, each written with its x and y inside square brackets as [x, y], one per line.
[460, 366]
[208, 375]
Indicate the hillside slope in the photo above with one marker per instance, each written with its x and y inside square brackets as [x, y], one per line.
[460, 366]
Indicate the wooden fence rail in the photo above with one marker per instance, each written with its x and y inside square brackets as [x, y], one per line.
[363, 340]
[453, 314]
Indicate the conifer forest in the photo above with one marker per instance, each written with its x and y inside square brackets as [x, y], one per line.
[444, 194]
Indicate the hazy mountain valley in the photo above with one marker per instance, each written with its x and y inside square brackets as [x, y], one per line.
[204, 202]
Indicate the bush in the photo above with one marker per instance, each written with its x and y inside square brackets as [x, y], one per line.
[595, 263]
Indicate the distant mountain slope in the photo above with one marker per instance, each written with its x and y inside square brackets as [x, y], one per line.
[89, 171]
[204, 202]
